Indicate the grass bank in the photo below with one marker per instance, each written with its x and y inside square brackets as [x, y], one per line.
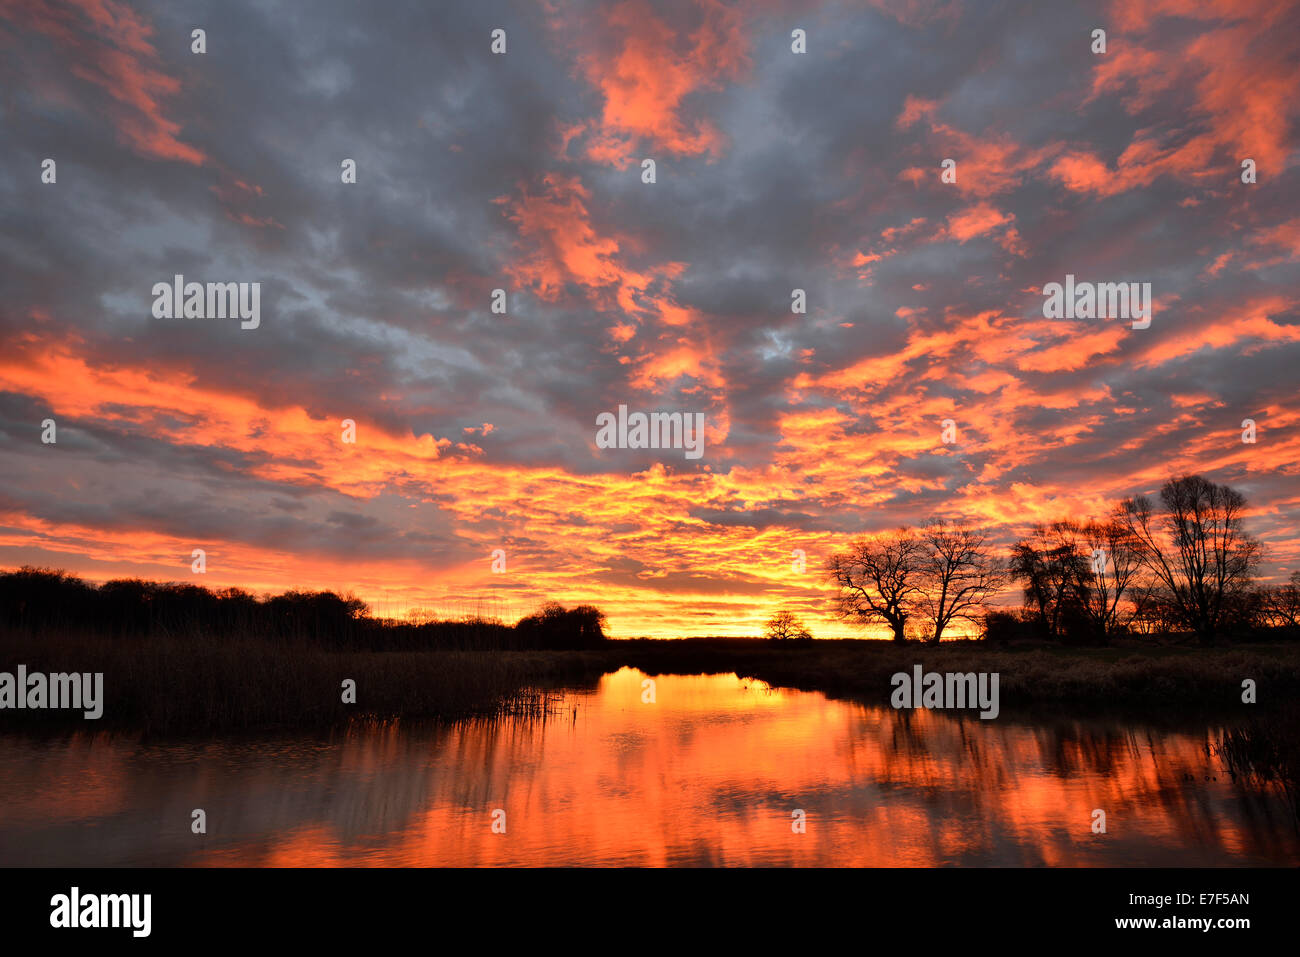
[1134, 676]
[167, 686]
[171, 686]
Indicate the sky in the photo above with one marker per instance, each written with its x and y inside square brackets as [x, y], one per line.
[774, 171]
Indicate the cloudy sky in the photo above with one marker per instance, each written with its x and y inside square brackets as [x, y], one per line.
[774, 171]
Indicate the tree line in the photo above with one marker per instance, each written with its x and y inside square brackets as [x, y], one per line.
[1180, 564]
[49, 602]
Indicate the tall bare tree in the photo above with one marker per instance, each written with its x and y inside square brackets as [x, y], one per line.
[879, 579]
[1197, 548]
[960, 573]
[1108, 594]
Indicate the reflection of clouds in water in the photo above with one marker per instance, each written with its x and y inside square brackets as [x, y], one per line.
[707, 775]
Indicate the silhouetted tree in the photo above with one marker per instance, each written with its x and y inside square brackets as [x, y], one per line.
[1053, 570]
[879, 579]
[959, 574]
[1197, 549]
[555, 627]
[588, 625]
[1106, 591]
[785, 626]
[1005, 625]
[45, 601]
[42, 598]
[1280, 606]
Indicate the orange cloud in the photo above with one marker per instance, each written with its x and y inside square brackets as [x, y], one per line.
[566, 248]
[1239, 78]
[974, 221]
[914, 109]
[645, 71]
[107, 44]
[1251, 323]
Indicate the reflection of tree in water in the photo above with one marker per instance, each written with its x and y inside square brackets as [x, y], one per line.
[709, 775]
[1027, 781]
[386, 776]
[1267, 751]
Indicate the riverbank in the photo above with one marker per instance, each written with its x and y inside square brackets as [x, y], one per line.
[188, 686]
[1129, 676]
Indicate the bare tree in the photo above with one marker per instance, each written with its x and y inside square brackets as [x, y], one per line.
[1198, 549]
[960, 574]
[1151, 615]
[1052, 568]
[784, 626]
[879, 579]
[1107, 593]
[1281, 605]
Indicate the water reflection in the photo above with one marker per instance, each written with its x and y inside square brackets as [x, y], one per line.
[708, 774]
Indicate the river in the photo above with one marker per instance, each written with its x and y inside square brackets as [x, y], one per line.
[714, 771]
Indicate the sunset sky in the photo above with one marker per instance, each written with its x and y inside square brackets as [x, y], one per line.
[775, 171]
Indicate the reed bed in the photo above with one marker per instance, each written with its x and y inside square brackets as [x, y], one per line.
[172, 685]
[168, 686]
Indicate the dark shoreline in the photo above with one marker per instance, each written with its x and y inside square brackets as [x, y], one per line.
[177, 686]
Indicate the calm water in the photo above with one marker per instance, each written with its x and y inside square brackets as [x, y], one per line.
[708, 774]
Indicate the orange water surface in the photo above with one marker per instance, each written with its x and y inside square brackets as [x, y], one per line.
[711, 772]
